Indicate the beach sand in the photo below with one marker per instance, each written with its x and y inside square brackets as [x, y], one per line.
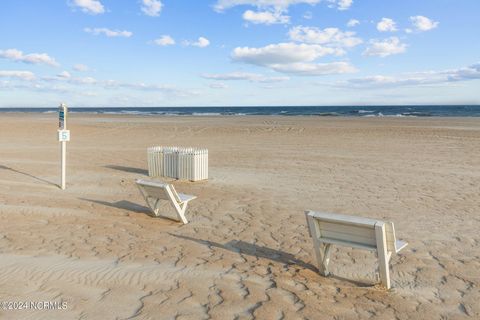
[246, 252]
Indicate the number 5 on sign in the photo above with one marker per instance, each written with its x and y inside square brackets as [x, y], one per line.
[63, 135]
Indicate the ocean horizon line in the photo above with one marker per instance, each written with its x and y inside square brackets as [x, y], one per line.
[341, 111]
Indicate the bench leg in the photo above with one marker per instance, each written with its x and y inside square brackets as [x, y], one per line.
[152, 204]
[181, 208]
[322, 250]
[325, 256]
[155, 207]
[383, 255]
[322, 253]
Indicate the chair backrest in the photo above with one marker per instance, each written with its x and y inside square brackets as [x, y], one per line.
[159, 190]
[348, 230]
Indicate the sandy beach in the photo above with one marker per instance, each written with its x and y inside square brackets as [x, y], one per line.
[246, 252]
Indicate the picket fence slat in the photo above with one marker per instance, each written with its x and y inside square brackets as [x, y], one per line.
[178, 163]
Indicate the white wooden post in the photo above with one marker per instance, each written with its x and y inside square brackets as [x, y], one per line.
[64, 160]
[63, 137]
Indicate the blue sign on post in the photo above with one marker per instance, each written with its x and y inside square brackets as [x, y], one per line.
[62, 117]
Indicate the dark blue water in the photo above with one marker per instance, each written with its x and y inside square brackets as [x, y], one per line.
[345, 111]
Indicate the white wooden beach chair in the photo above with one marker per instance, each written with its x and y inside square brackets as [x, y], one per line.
[328, 229]
[156, 192]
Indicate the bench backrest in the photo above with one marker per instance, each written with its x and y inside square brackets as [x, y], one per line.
[159, 190]
[349, 230]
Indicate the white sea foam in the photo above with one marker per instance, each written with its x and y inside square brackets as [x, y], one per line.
[206, 114]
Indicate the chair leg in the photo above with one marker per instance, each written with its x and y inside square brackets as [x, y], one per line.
[382, 252]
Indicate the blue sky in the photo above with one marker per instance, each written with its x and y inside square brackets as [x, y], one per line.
[110, 53]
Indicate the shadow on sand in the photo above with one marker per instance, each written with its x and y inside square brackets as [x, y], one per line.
[128, 169]
[28, 175]
[124, 204]
[253, 250]
[242, 247]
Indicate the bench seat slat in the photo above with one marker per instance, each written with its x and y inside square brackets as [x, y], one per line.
[349, 220]
[348, 237]
[348, 244]
[364, 232]
[156, 192]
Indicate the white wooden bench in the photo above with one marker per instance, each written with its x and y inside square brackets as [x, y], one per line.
[154, 192]
[328, 229]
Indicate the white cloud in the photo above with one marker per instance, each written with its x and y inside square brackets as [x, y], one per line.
[274, 11]
[152, 7]
[308, 15]
[223, 5]
[161, 88]
[33, 86]
[471, 72]
[253, 77]
[265, 17]
[314, 69]
[329, 36]
[352, 23]
[33, 58]
[386, 24]
[343, 4]
[22, 75]
[89, 6]
[64, 75]
[201, 42]
[282, 53]
[65, 82]
[422, 23]
[81, 67]
[218, 85]
[164, 40]
[114, 85]
[386, 47]
[84, 80]
[108, 32]
[293, 58]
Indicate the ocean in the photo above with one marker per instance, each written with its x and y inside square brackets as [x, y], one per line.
[342, 111]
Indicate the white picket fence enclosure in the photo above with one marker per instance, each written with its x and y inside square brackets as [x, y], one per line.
[179, 163]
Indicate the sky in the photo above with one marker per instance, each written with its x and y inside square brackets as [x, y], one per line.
[147, 53]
